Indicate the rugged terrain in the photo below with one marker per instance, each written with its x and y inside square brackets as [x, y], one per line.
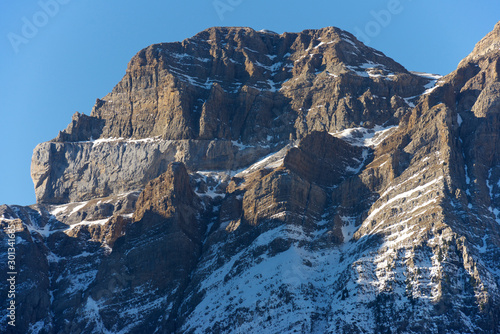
[246, 181]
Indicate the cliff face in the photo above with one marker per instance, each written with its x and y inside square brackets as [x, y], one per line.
[250, 181]
[223, 91]
[239, 84]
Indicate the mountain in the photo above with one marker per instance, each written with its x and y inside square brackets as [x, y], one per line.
[246, 181]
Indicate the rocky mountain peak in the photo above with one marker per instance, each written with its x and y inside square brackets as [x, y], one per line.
[238, 68]
[225, 93]
[489, 44]
[245, 180]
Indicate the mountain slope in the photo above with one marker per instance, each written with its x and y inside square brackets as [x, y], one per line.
[250, 181]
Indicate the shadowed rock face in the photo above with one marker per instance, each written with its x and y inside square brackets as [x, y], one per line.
[249, 181]
[156, 254]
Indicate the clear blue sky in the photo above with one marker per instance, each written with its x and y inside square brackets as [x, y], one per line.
[80, 50]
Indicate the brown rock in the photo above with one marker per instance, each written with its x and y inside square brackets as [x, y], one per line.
[158, 251]
[324, 159]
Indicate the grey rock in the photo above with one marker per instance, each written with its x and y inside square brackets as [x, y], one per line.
[80, 171]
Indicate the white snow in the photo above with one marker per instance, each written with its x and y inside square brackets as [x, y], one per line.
[210, 193]
[139, 310]
[430, 87]
[467, 178]
[424, 205]
[217, 176]
[51, 257]
[365, 137]
[269, 68]
[433, 83]
[106, 140]
[80, 282]
[251, 50]
[356, 170]
[319, 45]
[409, 102]
[255, 285]
[97, 142]
[272, 160]
[88, 222]
[144, 140]
[78, 207]
[240, 145]
[272, 86]
[490, 184]
[391, 76]
[58, 209]
[182, 56]
[427, 75]
[350, 42]
[399, 184]
[483, 248]
[405, 195]
[367, 70]
[20, 240]
[36, 327]
[348, 227]
[207, 84]
[44, 231]
[91, 312]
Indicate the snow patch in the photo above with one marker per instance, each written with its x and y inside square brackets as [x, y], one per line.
[348, 227]
[406, 196]
[272, 160]
[240, 145]
[91, 312]
[78, 207]
[183, 56]
[371, 70]
[100, 141]
[356, 170]
[36, 327]
[88, 222]
[44, 231]
[365, 137]
[427, 75]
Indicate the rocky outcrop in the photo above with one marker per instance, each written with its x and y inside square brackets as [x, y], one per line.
[89, 170]
[81, 128]
[324, 159]
[31, 285]
[166, 227]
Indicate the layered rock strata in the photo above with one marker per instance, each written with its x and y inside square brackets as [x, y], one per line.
[249, 181]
